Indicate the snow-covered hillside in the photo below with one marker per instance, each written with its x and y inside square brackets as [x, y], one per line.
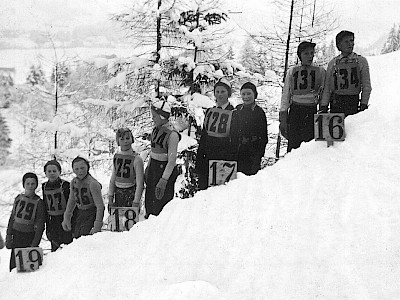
[322, 223]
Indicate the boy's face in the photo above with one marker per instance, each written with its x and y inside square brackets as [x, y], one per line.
[157, 118]
[80, 169]
[221, 94]
[346, 45]
[247, 96]
[30, 185]
[52, 173]
[125, 141]
[307, 56]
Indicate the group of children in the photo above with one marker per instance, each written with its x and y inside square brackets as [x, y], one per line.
[338, 88]
[71, 210]
[232, 134]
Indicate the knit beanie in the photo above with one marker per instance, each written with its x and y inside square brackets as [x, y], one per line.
[53, 163]
[249, 85]
[303, 46]
[341, 35]
[226, 84]
[29, 175]
[80, 158]
[121, 132]
[162, 108]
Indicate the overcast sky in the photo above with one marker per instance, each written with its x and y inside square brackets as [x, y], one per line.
[369, 19]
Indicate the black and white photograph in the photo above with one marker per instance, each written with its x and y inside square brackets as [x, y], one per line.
[199, 149]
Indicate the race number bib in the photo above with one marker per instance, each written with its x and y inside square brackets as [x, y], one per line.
[221, 171]
[83, 197]
[218, 122]
[25, 210]
[55, 202]
[28, 259]
[346, 78]
[305, 80]
[329, 127]
[123, 218]
[124, 170]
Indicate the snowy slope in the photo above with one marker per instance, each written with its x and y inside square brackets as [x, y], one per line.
[322, 223]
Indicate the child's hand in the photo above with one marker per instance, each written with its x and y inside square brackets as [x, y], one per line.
[160, 188]
[66, 225]
[97, 227]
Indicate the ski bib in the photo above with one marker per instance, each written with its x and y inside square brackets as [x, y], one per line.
[55, 201]
[218, 122]
[347, 78]
[305, 80]
[84, 199]
[159, 139]
[25, 210]
[124, 169]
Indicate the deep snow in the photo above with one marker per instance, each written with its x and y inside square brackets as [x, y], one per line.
[322, 223]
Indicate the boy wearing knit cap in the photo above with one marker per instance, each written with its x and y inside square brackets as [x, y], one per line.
[161, 171]
[252, 133]
[85, 194]
[27, 219]
[300, 97]
[347, 77]
[55, 195]
[127, 178]
[216, 140]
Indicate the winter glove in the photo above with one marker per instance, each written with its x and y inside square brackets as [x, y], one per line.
[363, 107]
[323, 109]
[96, 227]
[66, 223]
[283, 116]
[9, 241]
[160, 188]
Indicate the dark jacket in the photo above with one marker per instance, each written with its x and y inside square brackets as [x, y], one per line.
[252, 137]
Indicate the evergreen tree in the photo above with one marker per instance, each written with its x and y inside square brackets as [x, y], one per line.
[5, 141]
[35, 76]
[393, 40]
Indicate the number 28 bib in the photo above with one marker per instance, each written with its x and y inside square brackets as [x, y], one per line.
[218, 122]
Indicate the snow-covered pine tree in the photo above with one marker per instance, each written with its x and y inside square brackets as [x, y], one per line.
[35, 76]
[5, 141]
[393, 40]
[182, 38]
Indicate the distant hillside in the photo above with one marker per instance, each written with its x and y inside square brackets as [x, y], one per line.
[373, 49]
[96, 35]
